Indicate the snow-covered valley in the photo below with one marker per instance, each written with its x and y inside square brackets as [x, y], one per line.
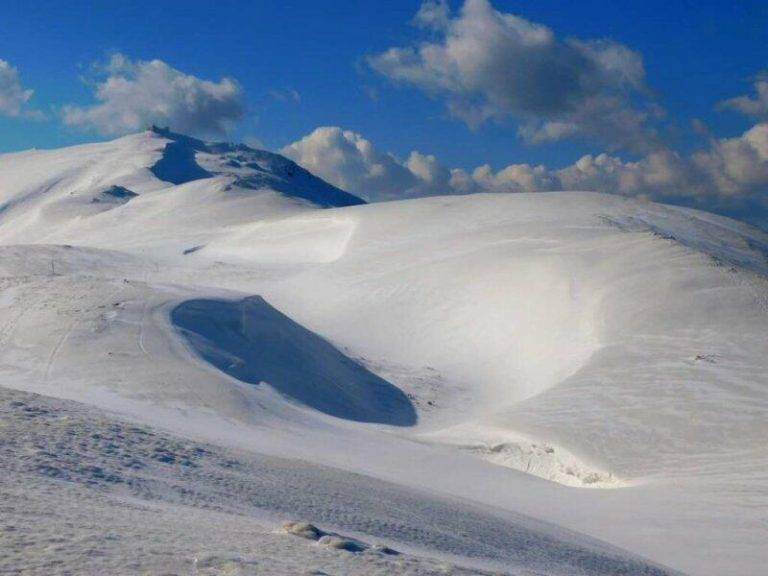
[554, 383]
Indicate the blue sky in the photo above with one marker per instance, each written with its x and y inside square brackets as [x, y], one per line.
[301, 65]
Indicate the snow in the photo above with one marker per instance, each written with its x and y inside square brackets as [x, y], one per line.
[82, 487]
[254, 343]
[552, 383]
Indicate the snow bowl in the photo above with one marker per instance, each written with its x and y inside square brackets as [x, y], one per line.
[253, 342]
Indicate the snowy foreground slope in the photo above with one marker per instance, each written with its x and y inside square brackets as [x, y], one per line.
[564, 383]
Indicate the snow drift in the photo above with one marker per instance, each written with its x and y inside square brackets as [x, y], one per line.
[253, 342]
[502, 350]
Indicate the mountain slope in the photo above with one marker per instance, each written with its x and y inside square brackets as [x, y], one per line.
[154, 182]
[576, 361]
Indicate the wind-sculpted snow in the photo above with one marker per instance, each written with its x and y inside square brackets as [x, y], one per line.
[479, 350]
[253, 342]
[726, 241]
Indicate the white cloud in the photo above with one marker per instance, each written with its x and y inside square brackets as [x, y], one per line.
[515, 178]
[13, 96]
[731, 171]
[737, 166]
[433, 14]
[489, 64]
[351, 162]
[536, 133]
[756, 105]
[726, 171]
[133, 95]
[431, 176]
[657, 175]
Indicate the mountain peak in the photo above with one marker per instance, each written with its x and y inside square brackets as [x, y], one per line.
[186, 158]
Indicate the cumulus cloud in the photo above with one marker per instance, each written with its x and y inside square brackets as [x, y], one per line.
[348, 160]
[488, 64]
[756, 105]
[13, 96]
[725, 170]
[431, 176]
[351, 162]
[515, 178]
[132, 95]
[737, 166]
[729, 172]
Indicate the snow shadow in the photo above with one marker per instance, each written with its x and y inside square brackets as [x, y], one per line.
[255, 343]
[177, 164]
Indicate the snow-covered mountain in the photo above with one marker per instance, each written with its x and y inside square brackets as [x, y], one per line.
[560, 383]
[151, 184]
